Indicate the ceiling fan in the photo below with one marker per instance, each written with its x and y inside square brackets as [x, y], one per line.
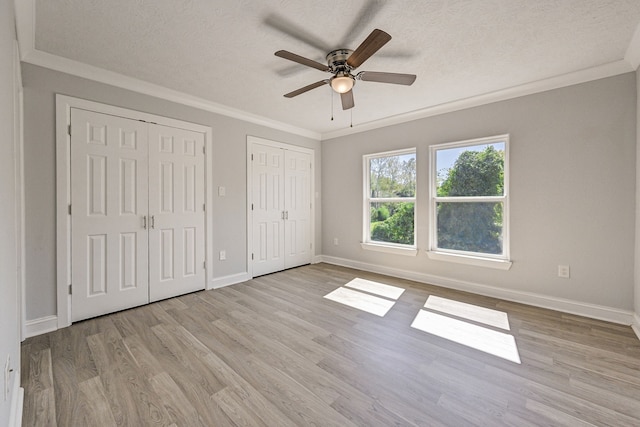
[342, 62]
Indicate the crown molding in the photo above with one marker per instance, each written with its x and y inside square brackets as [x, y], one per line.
[101, 75]
[632, 56]
[25, 28]
[582, 76]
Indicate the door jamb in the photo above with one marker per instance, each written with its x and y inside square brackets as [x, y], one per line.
[63, 188]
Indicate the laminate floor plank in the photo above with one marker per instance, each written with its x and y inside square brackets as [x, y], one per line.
[66, 376]
[40, 375]
[249, 395]
[398, 394]
[194, 389]
[175, 402]
[189, 366]
[278, 313]
[273, 351]
[294, 399]
[259, 327]
[132, 399]
[367, 411]
[39, 409]
[236, 409]
[556, 417]
[94, 407]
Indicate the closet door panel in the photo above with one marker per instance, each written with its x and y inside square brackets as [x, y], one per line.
[268, 209]
[109, 270]
[176, 209]
[297, 206]
[281, 208]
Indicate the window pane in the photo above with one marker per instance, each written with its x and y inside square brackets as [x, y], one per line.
[472, 227]
[476, 170]
[392, 222]
[393, 176]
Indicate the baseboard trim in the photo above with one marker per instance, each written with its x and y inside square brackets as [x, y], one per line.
[50, 323]
[221, 282]
[636, 324]
[317, 259]
[17, 402]
[593, 311]
[41, 326]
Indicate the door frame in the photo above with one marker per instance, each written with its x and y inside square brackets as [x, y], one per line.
[64, 104]
[18, 147]
[312, 193]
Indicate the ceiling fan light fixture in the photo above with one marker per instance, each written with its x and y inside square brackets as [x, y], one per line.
[341, 62]
[342, 82]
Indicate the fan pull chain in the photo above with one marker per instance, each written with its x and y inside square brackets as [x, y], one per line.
[351, 110]
[331, 105]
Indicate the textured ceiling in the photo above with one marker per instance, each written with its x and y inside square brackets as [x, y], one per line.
[223, 50]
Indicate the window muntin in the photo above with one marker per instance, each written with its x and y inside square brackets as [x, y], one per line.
[389, 198]
[469, 198]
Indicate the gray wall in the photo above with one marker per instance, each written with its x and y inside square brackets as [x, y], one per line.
[9, 314]
[229, 170]
[572, 190]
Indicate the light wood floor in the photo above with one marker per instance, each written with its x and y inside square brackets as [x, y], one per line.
[274, 352]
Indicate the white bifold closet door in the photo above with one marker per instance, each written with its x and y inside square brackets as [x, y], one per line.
[137, 219]
[176, 209]
[281, 208]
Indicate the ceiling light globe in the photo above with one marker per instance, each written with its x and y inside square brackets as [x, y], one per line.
[342, 83]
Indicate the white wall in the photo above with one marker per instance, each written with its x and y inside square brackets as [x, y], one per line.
[9, 314]
[229, 170]
[572, 195]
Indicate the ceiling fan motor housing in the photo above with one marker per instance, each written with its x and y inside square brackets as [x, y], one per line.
[337, 60]
[341, 62]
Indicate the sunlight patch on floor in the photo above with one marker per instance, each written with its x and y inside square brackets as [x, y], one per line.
[357, 294]
[387, 291]
[472, 312]
[478, 337]
[461, 331]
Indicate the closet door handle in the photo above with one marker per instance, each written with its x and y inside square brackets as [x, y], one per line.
[282, 215]
[144, 222]
[286, 214]
[153, 221]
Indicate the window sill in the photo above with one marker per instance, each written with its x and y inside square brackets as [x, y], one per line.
[498, 264]
[389, 249]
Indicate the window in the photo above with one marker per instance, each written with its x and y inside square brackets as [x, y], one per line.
[389, 201]
[469, 201]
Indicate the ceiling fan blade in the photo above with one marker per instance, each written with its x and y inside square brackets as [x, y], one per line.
[306, 88]
[347, 100]
[395, 78]
[369, 46]
[301, 60]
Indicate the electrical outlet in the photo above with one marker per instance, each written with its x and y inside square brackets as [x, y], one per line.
[335, 241]
[564, 271]
[223, 255]
[222, 191]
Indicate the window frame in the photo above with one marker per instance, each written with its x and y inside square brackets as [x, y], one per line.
[498, 261]
[386, 247]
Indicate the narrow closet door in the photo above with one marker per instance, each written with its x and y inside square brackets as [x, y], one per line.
[268, 209]
[297, 206]
[176, 209]
[109, 205]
